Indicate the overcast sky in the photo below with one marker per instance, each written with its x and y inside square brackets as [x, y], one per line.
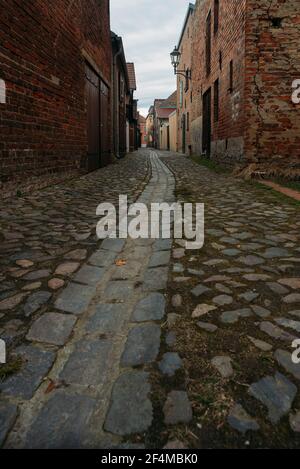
[150, 29]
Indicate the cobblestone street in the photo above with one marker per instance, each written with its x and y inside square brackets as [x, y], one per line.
[142, 343]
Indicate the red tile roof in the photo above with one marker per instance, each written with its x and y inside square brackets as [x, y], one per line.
[131, 75]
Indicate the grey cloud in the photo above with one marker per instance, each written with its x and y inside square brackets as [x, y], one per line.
[150, 29]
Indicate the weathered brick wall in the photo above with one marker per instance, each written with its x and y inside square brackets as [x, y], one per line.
[227, 133]
[272, 134]
[43, 125]
[185, 108]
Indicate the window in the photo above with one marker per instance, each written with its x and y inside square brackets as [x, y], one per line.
[216, 16]
[208, 44]
[188, 121]
[216, 101]
[231, 76]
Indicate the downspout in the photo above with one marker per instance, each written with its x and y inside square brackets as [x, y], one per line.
[115, 117]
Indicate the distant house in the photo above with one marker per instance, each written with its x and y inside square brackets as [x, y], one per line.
[163, 108]
[142, 132]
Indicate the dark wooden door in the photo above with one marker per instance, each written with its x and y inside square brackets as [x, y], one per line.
[93, 118]
[206, 145]
[104, 125]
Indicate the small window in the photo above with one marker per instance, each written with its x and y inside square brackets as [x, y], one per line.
[216, 101]
[2, 92]
[216, 16]
[231, 76]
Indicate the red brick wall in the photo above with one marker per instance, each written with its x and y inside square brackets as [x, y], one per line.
[227, 133]
[272, 63]
[43, 125]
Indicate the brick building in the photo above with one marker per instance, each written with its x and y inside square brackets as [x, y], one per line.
[184, 89]
[150, 127]
[142, 131]
[245, 56]
[162, 109]
[121, 97]
[56, 66]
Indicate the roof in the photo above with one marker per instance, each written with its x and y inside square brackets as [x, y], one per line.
[171, 101]
[190, 10]
[131, 75]
[164, 113]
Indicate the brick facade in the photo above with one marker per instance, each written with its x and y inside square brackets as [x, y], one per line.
[44, 47]
[256, 47]
[184, 89]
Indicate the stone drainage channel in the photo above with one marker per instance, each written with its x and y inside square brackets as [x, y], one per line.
[93, 390]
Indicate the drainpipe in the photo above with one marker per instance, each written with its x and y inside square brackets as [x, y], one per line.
[115, 116]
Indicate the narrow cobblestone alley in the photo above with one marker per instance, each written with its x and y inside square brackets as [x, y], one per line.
[165, 347]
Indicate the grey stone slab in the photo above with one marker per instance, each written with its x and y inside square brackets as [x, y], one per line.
[37, 275]
[261, 312]
[108, 318]
[63, 423]
[88, 364]
[142, 345]
[276, 393]
[205, 326]
[118, 290]
[89, 275]
[200, 290]
[156, 279]
[251, 260]
[285, 360]
[277, 288]
[35, 302]
[178, 268]
[241, 421]
[231, 317]
[151, 308]
[8, 415]
[291, 299]
[52, 328]
[231, 252]
[249, 296]
[223, 365]
[223, 300]
[170, 364]
[177, 408]
[163, 245]
[275, 332]
[171, 339]
[36, 364]
[295, 422]
[103, 258]
[261, 345]
[114, 245]
[275, 253]
[131, 409]
[289, 323]
[160, 259]
[75, 298]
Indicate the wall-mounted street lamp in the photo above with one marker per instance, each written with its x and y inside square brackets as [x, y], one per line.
[175, 59]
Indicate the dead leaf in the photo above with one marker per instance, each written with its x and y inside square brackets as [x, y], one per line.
[121, 263]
